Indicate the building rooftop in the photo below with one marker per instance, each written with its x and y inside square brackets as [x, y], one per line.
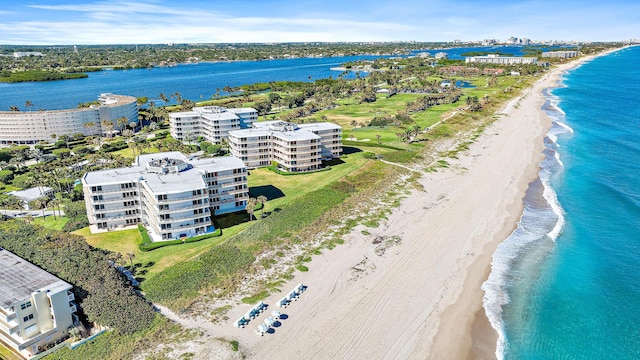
[164, 182]
[320, 126]
[174, 183]
[279, 129]
[31, 193]
[20, 278]
[213, 112]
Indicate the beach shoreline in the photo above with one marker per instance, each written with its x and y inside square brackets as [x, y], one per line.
[483, 335]
[421, 297]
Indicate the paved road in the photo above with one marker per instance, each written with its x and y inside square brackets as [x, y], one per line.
[23, 213]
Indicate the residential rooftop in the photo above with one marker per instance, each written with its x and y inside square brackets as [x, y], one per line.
[143, 168]
[20, 278]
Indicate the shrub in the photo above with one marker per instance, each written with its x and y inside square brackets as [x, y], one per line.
[61, 153]
[104, 293]
[6, 176]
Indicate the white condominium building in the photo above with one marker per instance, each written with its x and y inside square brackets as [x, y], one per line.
[173, 195]
[36, 308]
[559, 54]
[505, 60]
[213, 123]
[33, 127]
[296, 148]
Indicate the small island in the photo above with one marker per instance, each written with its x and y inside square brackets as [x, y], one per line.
[38, 75]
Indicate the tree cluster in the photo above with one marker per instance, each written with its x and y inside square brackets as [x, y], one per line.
[104, 294]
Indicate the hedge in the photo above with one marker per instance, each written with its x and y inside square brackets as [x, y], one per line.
[147, 245]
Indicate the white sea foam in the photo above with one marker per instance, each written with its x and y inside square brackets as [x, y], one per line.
[567, 127]
[536, 223]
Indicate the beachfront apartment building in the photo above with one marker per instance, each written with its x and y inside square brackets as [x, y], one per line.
[560, 54]
[213, 123]
[504, 60]
[296, 148]
[173, 195]
[33, 127]
[36, 307]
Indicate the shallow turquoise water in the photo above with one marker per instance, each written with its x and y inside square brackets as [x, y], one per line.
[566, 284]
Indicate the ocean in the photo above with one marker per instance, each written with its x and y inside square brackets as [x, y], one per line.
[566, 283]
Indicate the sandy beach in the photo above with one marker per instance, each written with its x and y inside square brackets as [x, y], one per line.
[420, 298]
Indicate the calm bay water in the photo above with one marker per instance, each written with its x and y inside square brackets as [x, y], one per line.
[193, 81]
[566, 284]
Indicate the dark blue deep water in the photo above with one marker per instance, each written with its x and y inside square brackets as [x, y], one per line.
[566, 284]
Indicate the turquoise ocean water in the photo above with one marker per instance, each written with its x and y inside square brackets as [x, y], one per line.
[566, 283]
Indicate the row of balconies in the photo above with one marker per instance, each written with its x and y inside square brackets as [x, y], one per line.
[182, 198]
[116, 218]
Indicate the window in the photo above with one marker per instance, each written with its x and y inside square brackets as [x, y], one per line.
[28, 317]
[25, 305]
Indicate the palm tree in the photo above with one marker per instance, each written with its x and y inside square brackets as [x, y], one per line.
[53, 203]
[130, 256]
[164, 98]
[177, 96]
[262, 200]
[89, 125]
[13, 108]
[28, 104]
[122, 122]
[251, 206]
[107, 125]
[40, 203]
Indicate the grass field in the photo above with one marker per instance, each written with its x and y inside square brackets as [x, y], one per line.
[6, 354]
[52, 223]
[151, 262]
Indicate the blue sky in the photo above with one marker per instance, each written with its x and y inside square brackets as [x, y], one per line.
[182, 21]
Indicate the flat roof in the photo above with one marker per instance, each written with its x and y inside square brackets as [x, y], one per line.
[163, 182]
[175, 182]
[300, 134]
[20, 278]
[243, 110]
[218, 163]
[320, 126]
[31, 193]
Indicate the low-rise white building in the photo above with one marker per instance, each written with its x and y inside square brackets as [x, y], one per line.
[496, 59]
[559, 54]
[213, 123]
[36, 308]
[30, 194]
[296, 148]
[173, 195]
[33, 127]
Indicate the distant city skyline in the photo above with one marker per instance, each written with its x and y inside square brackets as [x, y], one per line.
[48, 22]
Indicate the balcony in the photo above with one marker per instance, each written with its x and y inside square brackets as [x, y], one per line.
[73, 307]
[113, 200]
[71, 296]
[182, 198]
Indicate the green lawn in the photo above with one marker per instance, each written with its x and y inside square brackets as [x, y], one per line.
[126, 241]
[6, 354]
[266, 182]
[52, 223]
